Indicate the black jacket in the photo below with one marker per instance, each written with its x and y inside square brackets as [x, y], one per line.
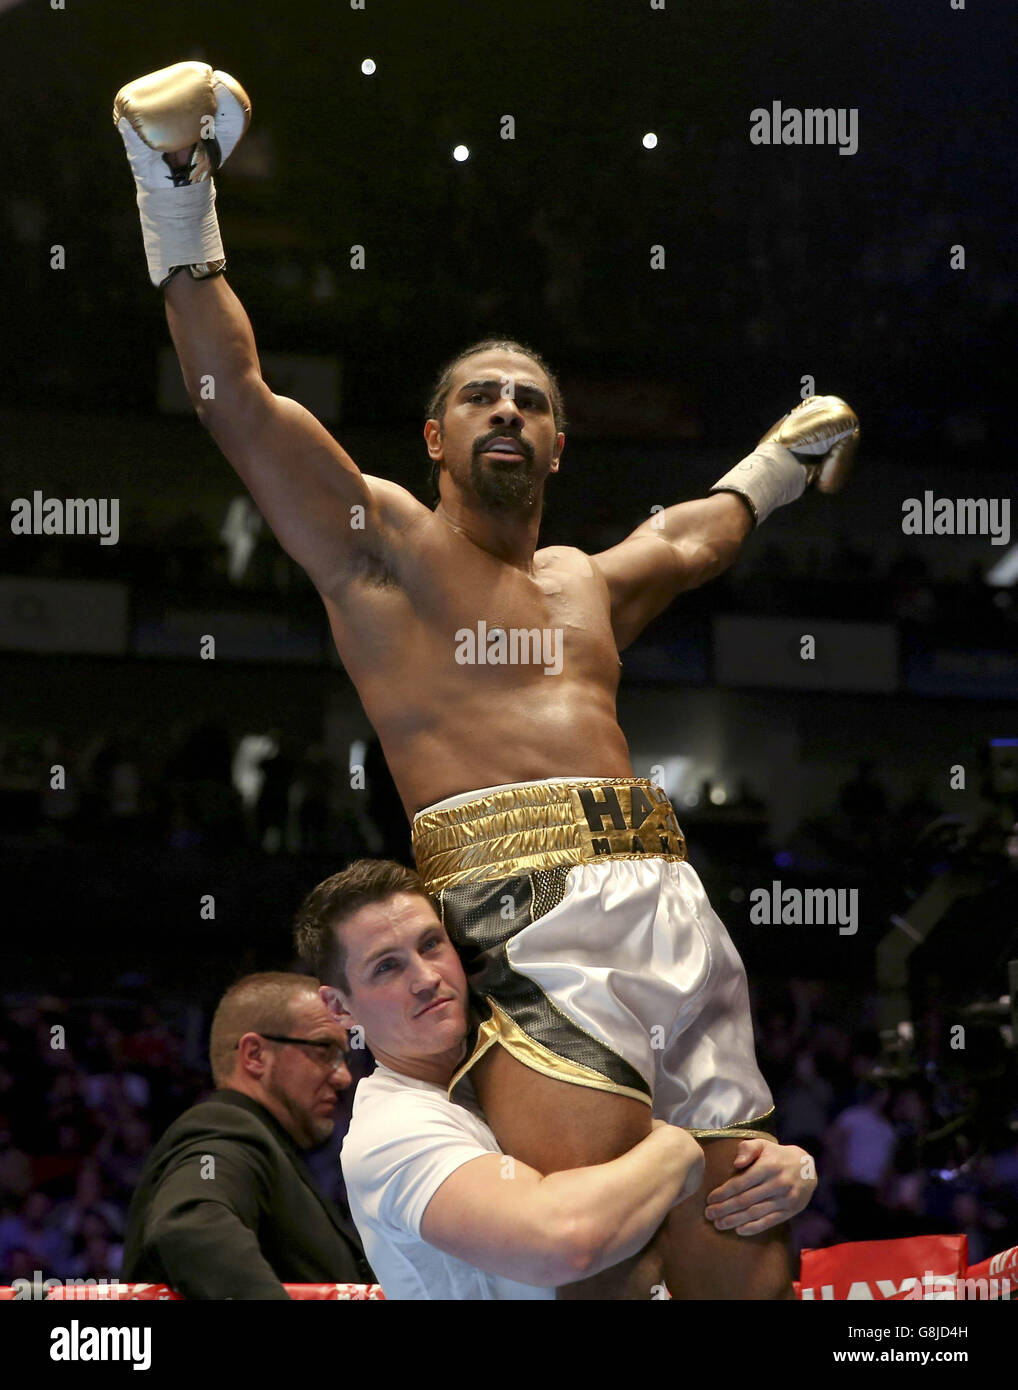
[226, 1208]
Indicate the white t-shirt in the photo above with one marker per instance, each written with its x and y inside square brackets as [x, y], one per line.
[405, 1138]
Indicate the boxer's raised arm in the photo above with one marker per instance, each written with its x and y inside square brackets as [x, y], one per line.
[686, 545]
[320, 507]
[677, 549]
[179, 126]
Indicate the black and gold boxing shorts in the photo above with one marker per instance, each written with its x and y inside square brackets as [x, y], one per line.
[593, 954]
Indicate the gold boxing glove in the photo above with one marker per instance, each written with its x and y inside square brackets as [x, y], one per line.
[818, 441]
[184, 106]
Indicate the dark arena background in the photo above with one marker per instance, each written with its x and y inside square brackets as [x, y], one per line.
[628, 208]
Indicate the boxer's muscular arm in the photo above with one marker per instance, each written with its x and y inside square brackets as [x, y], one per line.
[567, 1226]
[302, 481]
[686, 545]
[677, 549]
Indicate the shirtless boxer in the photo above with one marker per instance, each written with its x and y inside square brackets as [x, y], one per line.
[605, 978]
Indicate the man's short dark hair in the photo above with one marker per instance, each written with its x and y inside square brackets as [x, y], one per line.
[440, 391]
[366, 881]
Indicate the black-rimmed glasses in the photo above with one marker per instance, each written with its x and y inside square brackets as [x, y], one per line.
[333, 1054]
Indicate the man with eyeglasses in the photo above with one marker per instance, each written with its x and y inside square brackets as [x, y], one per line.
[225, 1207]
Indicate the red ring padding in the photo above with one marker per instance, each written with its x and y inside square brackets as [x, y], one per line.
[873, 1269]
[325, 1293]
[896, 1270]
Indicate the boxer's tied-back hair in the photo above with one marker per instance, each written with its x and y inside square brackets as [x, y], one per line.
[366, 881]
[440, 391]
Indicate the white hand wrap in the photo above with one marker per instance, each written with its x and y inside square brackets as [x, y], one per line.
[768, 478]
[179, 227]
[186, 106]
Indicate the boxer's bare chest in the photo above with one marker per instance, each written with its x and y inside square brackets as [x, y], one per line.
[456, 613]
[475, 673]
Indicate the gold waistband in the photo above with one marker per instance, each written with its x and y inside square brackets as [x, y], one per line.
[545, 825]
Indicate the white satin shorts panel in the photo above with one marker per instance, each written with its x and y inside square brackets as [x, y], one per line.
[635, 955]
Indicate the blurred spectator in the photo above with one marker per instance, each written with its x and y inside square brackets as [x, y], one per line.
[20, 1264]
[805, 1105]
[117, 1091]
[860, 1145]
[89, 1199]
[904, 1192]
[272, 810]
[15, 1168]
[315, 780]
[95, 1256]
[101, 1044]
[981, 1225]
[152, 1045]
[115, 778]
[863, 797]
[917, 812]
[32, 1230]
[205, 809]
[122, 1154]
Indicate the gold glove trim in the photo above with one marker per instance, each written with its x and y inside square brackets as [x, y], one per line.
[544, 825]
[502, 1030]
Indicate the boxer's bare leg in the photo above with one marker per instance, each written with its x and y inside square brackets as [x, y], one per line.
[552, 1125]
[702, 1262]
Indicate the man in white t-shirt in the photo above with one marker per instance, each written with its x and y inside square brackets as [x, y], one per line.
[442, 1212]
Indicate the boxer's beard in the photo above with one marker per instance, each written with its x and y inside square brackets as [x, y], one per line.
[503, 489]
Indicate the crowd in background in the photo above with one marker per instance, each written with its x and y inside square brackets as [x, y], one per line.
[85, 1089]
[83, 1093]
[848, 581]
[894, 1156]
[115, 792]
